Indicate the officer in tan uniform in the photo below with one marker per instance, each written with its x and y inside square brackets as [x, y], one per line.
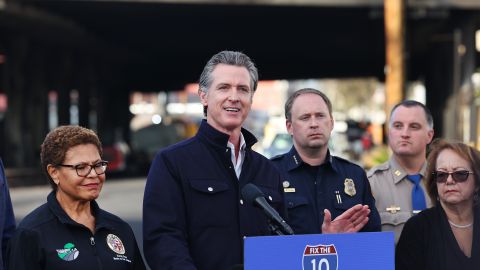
[398, 184]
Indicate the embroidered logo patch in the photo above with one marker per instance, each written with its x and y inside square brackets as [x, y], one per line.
[115, 244]
[68, 253]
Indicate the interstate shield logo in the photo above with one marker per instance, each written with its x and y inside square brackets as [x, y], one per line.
[321, 257]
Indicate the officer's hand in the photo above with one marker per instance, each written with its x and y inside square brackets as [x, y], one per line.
[349, 221]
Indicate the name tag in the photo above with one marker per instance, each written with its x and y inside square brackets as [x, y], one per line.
[289, 189]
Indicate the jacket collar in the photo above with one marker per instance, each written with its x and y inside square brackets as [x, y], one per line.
[294, 160]
[398, 173]
[208, 133]
[57, 210]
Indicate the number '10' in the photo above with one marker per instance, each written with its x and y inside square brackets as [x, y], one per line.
[320, 264]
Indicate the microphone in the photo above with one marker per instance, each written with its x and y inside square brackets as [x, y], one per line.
[253, 195]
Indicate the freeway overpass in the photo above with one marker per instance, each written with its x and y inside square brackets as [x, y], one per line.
[106, 49]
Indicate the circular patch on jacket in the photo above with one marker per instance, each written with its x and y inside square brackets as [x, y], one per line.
[115, 244]
[68, 253]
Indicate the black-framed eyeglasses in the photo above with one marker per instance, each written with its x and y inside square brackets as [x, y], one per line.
[458, 176]
[84, 169]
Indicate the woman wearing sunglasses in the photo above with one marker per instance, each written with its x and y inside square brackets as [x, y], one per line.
[70, 231]
[446, 236]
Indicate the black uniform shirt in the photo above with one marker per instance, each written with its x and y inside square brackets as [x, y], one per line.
[336, 185]
[48, 238]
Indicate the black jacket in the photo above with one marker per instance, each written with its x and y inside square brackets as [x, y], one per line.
[7, 219]
[49, 239]
[193, 213]
[428, 243]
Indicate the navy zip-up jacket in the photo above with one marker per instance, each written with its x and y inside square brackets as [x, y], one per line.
[193, 214]
[7, 219]
[48, 238]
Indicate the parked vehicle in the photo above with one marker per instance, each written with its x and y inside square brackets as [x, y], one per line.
[117, 155]
[146, 142]
[281, 143]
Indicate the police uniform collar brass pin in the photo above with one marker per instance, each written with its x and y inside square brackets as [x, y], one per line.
[287, 188]
[349, 187]
[337, 195]
[393, 209]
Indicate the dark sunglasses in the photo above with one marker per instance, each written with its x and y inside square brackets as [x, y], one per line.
[458, 176]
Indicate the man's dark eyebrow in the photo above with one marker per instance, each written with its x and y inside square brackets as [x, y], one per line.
[304, 114]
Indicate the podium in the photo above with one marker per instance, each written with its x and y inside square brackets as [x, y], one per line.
[348, 251]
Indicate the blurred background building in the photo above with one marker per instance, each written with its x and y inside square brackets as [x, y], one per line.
[128, 69]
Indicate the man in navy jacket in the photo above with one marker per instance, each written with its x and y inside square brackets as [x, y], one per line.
[194, 216]
[7, 219]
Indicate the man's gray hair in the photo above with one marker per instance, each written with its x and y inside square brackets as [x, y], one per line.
[228, 58]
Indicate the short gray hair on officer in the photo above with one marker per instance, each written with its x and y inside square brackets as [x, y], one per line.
[292, 97]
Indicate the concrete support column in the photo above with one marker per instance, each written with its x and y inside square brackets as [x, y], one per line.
[16, 57]
[395, 63]
[451, 63]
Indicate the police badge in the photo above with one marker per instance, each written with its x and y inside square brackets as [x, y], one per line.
[350, 187]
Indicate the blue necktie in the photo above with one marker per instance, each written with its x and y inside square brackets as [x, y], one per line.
[418, 197]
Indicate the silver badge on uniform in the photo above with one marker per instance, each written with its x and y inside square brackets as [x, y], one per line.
[349, 187]
[287, 188]
[115, 244]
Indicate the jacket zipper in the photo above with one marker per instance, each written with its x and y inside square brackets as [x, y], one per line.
[92, 243]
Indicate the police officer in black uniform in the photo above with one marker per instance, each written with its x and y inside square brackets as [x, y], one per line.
[320, 187]
[70, 231]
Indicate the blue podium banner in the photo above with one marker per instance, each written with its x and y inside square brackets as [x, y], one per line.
[348, 251]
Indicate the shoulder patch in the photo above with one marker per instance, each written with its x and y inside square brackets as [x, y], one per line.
[382, 167]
